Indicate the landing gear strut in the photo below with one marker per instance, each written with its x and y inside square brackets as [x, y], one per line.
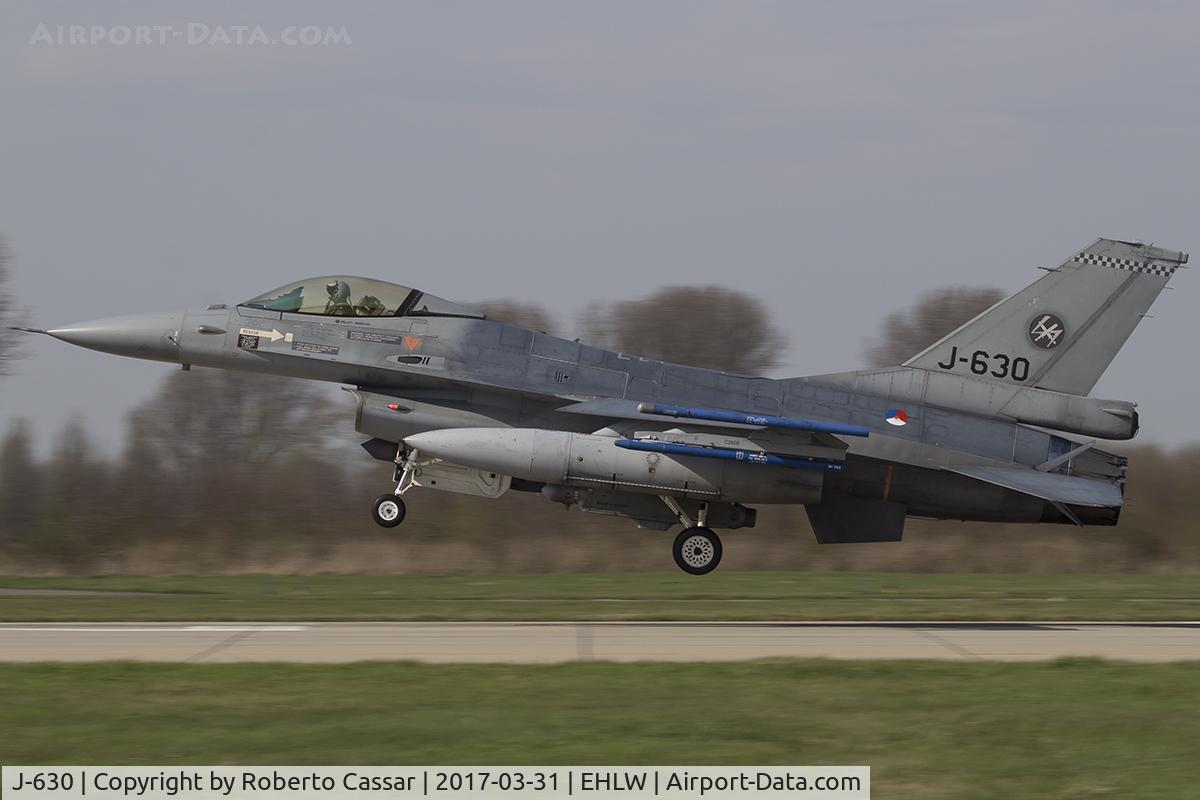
[697, 549]
[389, 509]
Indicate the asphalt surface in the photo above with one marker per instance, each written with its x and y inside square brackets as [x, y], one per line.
[333, 642]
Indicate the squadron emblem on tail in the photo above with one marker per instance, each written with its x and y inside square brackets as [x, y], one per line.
[1046, 331]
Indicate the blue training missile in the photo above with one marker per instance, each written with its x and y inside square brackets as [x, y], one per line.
[730, 454]
[742, 418]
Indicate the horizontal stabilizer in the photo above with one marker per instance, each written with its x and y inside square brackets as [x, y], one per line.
[1050, 486]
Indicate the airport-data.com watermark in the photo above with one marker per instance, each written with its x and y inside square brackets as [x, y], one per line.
[190, 33]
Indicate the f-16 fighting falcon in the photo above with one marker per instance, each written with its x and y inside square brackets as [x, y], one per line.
[993, 422]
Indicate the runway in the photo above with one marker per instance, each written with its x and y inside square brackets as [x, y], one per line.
[438, 642]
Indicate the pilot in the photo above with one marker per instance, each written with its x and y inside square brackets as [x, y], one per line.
[339, 299]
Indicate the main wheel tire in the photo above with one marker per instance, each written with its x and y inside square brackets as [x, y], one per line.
[697, 551]
[388, 511]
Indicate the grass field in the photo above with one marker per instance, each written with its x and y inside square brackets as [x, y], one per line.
[1070, 729]
[637, 596]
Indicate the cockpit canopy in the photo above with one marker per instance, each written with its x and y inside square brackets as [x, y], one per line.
[350, 296]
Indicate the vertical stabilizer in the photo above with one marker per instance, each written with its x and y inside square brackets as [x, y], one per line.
[1062, 331]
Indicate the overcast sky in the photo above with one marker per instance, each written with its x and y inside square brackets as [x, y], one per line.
[834, 159]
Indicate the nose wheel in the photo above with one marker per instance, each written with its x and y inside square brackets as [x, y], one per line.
[697, 550]
[388, 511]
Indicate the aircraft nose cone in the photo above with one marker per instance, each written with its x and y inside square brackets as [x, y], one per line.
[151, 336]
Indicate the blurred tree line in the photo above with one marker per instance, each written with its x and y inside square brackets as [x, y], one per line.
[9, 313]
[226, 472]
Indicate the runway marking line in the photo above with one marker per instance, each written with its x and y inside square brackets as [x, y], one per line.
[185, 629]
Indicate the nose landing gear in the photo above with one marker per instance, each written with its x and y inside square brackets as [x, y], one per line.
[389, 510]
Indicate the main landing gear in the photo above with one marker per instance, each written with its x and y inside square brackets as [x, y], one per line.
[697, 549]
[389, 509]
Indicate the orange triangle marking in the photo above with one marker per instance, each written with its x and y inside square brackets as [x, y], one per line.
[412, 342]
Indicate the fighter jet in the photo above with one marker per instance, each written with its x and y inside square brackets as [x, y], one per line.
[994, 422]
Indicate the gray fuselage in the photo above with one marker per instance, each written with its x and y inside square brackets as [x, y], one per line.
[467, 372]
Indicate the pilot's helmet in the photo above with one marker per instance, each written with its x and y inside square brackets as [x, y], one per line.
[338, 290]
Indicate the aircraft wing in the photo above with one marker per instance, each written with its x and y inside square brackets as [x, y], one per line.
[1053, 487]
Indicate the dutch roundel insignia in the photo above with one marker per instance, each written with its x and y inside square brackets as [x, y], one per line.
[1046, 331]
